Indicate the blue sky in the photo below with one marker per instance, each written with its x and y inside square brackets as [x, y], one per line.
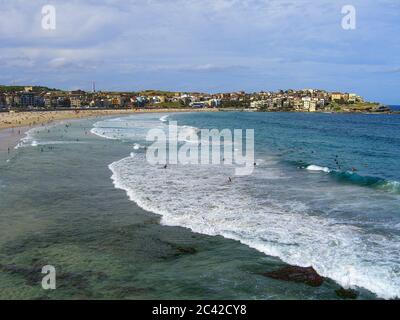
[204, 45]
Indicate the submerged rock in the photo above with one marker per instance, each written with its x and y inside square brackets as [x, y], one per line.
[126, 292]
[31, 274]
[346, 293]
[297, 274]
[187, 250]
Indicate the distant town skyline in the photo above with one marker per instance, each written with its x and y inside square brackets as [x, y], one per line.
[203, 46]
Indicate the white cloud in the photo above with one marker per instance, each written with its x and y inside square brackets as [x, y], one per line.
[119, 38]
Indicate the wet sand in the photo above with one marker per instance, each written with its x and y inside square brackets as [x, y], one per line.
[9, 138]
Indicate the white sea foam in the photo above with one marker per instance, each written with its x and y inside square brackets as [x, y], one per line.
[164, 118]
[129, 128]
[318, 168]
[103, 134]
[30, 139]
[391, 186]
[205, 202]
[136, 128]
[252, 210]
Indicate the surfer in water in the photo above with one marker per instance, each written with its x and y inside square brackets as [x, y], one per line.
[337, 162]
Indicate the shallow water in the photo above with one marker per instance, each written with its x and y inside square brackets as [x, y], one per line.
[59, 206]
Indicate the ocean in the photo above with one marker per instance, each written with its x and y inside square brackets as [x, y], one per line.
[395, 108]
[81, 196]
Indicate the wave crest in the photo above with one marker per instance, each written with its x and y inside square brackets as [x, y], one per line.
[357, 179]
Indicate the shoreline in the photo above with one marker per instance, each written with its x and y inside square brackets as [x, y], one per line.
[10, 137]
[13, 126]
[34, 118]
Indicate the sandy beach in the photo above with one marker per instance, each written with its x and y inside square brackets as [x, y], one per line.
[29, 119]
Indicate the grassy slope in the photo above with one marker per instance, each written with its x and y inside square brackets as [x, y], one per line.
[360, 106]
[4, 89]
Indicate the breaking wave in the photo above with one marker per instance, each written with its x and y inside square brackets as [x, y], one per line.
[268, 211]
[359, 180]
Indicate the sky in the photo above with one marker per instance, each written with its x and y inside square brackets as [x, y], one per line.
[204, 45]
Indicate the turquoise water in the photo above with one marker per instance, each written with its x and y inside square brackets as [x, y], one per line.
[324, 193]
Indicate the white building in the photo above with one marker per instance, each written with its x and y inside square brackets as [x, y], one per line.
[260, 104]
